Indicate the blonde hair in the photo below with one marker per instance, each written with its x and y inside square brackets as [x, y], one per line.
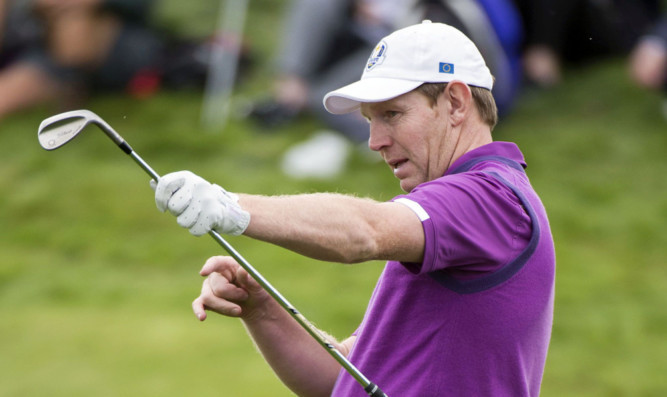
[486, 105]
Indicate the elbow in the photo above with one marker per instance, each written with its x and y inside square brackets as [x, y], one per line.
[361, 249]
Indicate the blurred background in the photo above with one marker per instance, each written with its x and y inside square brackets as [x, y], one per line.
[96, 284]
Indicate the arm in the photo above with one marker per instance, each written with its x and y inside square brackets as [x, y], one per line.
[323, 226]
[336, 227]
[297, 359]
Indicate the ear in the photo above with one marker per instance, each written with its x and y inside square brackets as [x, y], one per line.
[460, 99]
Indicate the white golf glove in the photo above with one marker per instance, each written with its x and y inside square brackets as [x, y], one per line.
[199, 205]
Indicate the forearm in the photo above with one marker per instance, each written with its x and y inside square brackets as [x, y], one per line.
[298, 360]
[323, 226]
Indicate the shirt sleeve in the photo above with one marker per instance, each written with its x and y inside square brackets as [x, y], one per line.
[472, 223]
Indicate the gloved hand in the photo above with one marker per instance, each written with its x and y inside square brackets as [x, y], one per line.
[199, 205]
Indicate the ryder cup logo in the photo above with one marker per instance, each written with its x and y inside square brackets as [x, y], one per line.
[377, 56]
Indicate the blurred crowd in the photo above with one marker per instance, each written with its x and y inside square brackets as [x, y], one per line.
[524, 42]
[61, 51]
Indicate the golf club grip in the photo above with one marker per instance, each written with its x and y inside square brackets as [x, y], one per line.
[374, 391]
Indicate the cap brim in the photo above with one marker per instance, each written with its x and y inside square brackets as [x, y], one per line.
[376, 89]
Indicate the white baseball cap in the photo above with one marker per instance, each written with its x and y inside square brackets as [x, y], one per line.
[402, 61]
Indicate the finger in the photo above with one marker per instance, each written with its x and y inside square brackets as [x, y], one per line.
[210, 213]
[200, 227]
[216, 304]
[244, 280]
[188, 218]
[225, 265]
[223, 288]
[181, 198]
[165, 189]
[199, 309]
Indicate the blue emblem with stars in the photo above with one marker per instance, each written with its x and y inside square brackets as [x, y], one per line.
[446, 68]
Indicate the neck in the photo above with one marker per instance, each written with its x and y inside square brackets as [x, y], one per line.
[470, 139]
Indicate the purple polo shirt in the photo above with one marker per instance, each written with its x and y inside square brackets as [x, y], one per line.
[474, 318]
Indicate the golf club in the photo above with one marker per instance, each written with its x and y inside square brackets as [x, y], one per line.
[57, 130]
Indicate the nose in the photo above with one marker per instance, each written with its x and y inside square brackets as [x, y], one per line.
[379, 138]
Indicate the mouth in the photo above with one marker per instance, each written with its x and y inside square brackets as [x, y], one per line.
[397, 164]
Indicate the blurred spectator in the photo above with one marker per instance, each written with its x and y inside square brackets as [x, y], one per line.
[574, 31]
[648, 60]
[56, 50]
[325, 41]
[60, 51]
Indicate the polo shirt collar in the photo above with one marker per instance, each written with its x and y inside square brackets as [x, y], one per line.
[499, 149]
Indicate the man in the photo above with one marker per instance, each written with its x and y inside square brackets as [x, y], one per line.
[465, 303]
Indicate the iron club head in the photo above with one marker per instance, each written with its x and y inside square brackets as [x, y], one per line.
[57, 130]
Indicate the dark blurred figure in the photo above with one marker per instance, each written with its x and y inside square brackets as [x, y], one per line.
[58, 50]
[325, 41]
[61, 51]
[322, 45]
[575, 31]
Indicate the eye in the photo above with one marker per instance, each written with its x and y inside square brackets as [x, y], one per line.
[390, 114]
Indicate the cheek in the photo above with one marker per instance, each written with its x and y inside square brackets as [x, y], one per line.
[421, 132]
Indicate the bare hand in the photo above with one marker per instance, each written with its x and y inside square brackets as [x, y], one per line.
[228, 290]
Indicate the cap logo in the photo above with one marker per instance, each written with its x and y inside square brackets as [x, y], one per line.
[377, 56]
[446, 68]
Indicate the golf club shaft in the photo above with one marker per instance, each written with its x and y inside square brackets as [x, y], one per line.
[371, 389]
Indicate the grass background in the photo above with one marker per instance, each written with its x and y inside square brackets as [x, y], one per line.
[96, 285]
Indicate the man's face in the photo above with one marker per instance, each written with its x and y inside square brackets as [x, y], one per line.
[412, 136]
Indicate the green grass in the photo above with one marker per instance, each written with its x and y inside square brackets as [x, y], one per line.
[596, 152]
[96, 285]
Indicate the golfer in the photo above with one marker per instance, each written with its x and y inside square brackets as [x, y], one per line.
[464, 306]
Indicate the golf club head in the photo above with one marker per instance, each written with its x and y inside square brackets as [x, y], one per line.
[57, 130]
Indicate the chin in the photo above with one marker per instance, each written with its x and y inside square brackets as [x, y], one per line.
[407, 186]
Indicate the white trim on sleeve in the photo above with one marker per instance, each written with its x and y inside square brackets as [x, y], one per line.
[415, 207]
